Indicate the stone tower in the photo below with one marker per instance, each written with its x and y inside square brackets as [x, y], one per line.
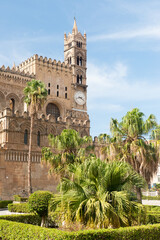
[75, 54]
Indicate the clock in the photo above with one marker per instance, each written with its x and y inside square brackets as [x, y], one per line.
[79, 98]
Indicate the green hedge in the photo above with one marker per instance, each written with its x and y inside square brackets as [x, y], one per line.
[18, 198]
[151, 197]
[153, 217]
[17, 231]
[152, 208]
[4, 203]
[19, 207]
[23, 218]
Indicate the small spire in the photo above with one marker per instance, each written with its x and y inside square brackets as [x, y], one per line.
[75, 29]
[14, 65]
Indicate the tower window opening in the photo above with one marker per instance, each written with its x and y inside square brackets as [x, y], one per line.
[38, 138]
[70, 60]
[57, 86]
[57, 93]
[78, 60]
[65, 95]
[77, 78]
[81, 45]
[49, 91]
[80, 79]
[26, 136]
[12, 105]
[49, 84]
[65, 88]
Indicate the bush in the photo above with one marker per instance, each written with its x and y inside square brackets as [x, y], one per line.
[19, 207]
[39, 202]
[17, 231]
[151, 197]
[23, 218]
[153, 217]
[18, 198]
[4, 204]
[152, 208]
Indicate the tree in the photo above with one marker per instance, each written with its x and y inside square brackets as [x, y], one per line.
[132, 146]
[35, 95]
[68, 147]
[39, 202]
[96, 196]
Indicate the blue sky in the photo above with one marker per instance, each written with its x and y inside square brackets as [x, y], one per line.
[123, 42]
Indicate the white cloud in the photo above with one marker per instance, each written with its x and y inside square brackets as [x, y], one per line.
[151, 32]
[112, 83]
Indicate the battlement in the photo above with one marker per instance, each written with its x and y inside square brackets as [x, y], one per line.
[7, 112]
[15, 74]
[44, 61]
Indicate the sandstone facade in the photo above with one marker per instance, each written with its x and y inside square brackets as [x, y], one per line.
[65, 107]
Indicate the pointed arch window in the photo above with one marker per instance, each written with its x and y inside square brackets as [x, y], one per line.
[77, 78]
[12, 105]
[80, 79]
[78, 60]
[26, 136]
[53, 110]
[38, 138]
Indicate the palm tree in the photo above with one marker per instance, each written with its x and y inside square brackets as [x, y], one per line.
[132, 146]
[68, 147]
[35, 95]
[97, 196]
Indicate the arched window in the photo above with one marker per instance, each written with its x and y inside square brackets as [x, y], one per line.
[70, 60]
[77, 78]
[49, 91]
[53, 110]
[78, 60]
[12, 105]
[26, 137]
[80, 79]
[38, 138]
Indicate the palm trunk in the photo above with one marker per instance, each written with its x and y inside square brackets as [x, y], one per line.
[30, 156]
[43, 221]
[139, 194]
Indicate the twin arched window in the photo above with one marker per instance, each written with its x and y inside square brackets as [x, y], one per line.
[79, 44]
[79, 61]
[69, 60]
[79, 79]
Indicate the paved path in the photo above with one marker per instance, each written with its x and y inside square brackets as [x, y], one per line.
[6, 212]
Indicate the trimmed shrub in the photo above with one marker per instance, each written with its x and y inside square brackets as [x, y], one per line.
[18, 198]
[19, 207]
[152, 208]
[153, 217]
[151, 197]
[4, 203]
[17, 231]
[23, 218]
[39, 202]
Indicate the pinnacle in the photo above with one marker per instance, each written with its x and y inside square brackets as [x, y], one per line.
[75, 29]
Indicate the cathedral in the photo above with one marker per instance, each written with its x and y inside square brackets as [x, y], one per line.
[65, 107]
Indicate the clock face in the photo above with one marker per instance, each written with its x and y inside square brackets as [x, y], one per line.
[80, 98]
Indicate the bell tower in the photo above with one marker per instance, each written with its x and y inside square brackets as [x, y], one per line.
[75, 54]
